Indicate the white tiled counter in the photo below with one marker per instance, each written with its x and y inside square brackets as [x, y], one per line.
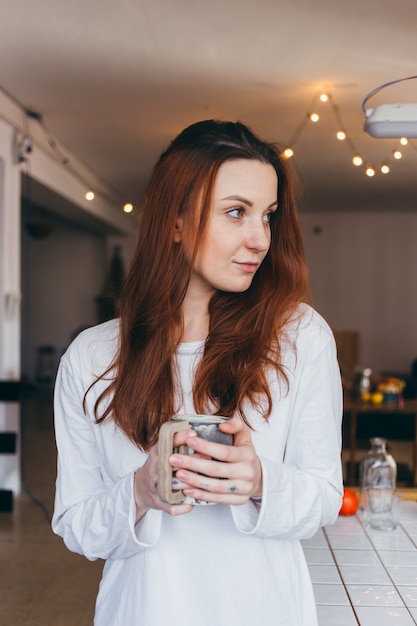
[363, 576]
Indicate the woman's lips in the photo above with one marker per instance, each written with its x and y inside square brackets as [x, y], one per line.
[248, 267]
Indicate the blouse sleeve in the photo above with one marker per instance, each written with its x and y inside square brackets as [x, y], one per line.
[94, 517]
[302, 492]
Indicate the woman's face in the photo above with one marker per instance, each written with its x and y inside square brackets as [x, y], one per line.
[237, 236]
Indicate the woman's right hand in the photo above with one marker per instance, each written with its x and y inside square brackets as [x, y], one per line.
[146, 483]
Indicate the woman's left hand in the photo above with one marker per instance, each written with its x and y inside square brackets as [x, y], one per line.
[220, 473]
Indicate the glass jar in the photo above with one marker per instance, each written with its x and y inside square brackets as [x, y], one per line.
[378, 468]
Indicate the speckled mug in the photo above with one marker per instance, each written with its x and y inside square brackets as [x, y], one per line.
[206, 427]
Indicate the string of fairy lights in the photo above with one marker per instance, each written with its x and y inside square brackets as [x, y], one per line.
[127, 206]
[313, 117]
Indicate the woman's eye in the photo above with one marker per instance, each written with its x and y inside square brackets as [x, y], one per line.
[236, 213]
[268, 217]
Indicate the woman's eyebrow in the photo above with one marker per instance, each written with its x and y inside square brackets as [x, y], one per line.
[246, 201]
[238, 199]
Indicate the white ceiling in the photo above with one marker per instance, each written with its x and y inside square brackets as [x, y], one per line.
[115, 80]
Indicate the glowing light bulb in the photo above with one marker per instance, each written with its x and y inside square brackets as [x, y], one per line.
[324, 97]
[128, 207]
[403, 141]
[314, 117]
[370, 171]
[397, 154]
[288, 153]
[357, 160]
[341, 135]
[89, 195]
[384, 168]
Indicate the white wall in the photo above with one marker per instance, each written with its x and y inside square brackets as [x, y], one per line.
[363, 269]
[63, 274]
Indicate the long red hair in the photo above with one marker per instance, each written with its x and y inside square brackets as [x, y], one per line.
[245, 332]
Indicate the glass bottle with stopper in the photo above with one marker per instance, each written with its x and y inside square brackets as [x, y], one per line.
[378, 468]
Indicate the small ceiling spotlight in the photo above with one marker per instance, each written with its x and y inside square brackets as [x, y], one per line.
[324, 97]
[370, 171]
[128, 207]
[357, 160]
[89, 195]
[341, 135]
[397, 154]
[403, 141]
[385, 168]
[314, 117]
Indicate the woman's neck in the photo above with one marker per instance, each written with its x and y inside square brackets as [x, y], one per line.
[196, 318]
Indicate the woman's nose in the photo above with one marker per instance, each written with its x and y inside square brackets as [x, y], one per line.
[258, 236]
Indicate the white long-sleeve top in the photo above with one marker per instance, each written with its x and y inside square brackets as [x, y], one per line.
[219, 565]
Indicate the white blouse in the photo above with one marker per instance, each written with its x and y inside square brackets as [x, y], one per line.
[219, 565]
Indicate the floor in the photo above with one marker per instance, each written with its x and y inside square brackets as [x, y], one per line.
[41, 582]
[359, 577]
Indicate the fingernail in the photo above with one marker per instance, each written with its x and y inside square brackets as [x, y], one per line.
[175, 459]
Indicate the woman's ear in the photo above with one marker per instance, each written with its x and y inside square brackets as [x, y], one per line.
[178, 230]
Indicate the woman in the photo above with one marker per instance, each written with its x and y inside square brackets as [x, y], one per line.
[212, 321]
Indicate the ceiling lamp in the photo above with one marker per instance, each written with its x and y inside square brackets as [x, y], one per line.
[341, 135]
[128, 207]
[357, 160]
[397, 154]
[384, 168]
[314, 117]
[370, 171]
[390, 120]
[89, 195]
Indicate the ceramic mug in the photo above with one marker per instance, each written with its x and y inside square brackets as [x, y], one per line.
[206, 427]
